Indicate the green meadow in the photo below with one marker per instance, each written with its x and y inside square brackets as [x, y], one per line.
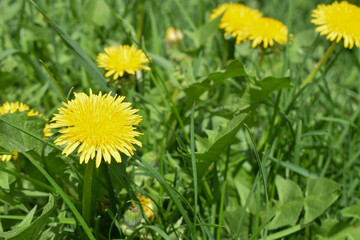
[230, 140]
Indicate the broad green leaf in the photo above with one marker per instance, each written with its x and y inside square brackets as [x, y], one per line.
[9, 199]
[320, 194]
[260, 90]
[352, 211]
[216, 143]
[85, 60]
[204, 32]
[290, 203]
[27, 230]
[332, 229]
[233, 69]
[14, 140]
[97, 12]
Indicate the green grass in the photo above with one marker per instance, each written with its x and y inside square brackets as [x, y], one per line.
[233, 146]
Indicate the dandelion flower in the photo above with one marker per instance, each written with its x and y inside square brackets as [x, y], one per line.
[6, 158]
[338, 21]
[148, 206]
[267, 31]
[12, 107]
[47, 131]
[236, 20]
[100, 125]
[219, 10]
[120, 60]
[173, 35]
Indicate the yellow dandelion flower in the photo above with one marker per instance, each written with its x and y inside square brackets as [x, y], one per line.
[148, 206]
[267, 31]
[11, 107]
[173, 35]
[118, 60]
[338, 21]
[237, 20]
[219, 10]
[6, 158]
[100, 125]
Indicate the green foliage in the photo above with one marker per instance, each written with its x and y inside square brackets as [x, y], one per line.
[300, 163]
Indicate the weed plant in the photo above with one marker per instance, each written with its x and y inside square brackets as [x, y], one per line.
[236, 142]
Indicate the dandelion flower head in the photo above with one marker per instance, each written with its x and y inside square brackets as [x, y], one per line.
[100, 125]
[147, 205]
[338, 21]
[267, 31]
[122, 59]
[236, 20]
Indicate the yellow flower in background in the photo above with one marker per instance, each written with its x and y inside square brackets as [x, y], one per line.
[338, 21]
[6, 158]
[148, 206]
[100, 125]
[173, 35]
[123, 59]
[237, 20]
[267, 31]
[12, 107]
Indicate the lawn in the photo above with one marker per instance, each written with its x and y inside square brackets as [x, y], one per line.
[179, 119]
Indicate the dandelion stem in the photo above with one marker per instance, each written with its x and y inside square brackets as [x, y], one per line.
[323, 60]
[86, 196]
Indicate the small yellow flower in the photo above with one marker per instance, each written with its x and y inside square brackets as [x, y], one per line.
[338, 21]
[267, 31]
[118, 60]
[173, 35]
[6, 158]
[100, 125]
[236, 20]
[148, 206]
[12, 107]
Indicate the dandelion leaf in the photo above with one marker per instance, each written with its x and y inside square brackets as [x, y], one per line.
[233, 69]
[216, 143]
[352, 211]
[260, 90]
[31, 230]
[206, 31]
[13, 139]
[320, 194]
[290, 203]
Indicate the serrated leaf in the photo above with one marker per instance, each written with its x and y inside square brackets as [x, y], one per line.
[233, 69]
[216, 143]
[352, 211]
[320, 194]
[261, 89]
[32, 230]
[290, 203]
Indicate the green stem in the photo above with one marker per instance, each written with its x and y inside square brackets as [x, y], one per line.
[193, 163]
[323, 60]
[63, 195]
[86, 196]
